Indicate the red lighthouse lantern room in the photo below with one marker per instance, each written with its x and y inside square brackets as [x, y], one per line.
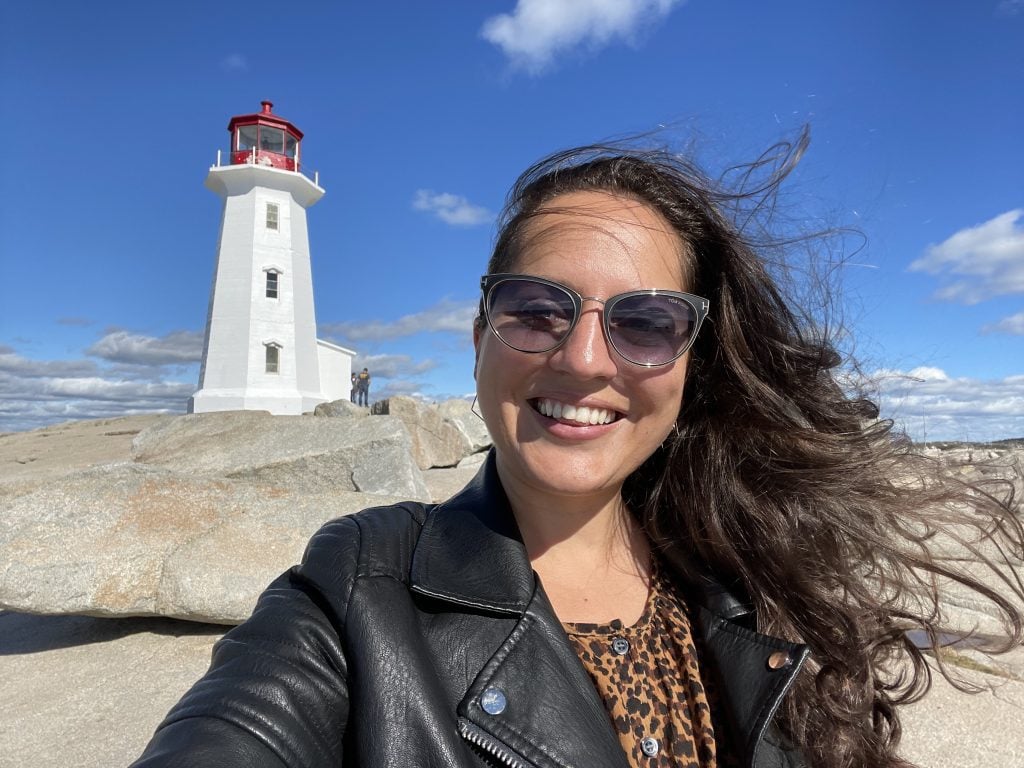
[264, 139]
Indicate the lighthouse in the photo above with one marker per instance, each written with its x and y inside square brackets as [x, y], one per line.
[260, 350]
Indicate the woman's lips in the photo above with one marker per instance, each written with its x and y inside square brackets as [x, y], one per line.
[567, 413]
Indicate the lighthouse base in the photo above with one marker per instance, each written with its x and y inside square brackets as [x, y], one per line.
[277, 403]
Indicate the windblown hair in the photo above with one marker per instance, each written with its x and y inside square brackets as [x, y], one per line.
[781, 479]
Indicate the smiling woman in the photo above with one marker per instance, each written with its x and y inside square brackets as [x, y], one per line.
[689, 546]
[605, 247]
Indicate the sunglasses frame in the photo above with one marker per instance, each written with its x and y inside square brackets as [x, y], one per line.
[699, 304]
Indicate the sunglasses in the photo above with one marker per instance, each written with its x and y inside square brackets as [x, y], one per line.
[648, 328]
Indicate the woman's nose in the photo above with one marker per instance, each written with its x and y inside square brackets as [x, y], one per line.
[586, 354]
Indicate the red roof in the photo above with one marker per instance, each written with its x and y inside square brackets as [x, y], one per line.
[265, 117]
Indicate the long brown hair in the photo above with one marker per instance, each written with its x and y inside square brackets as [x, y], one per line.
[781, 479]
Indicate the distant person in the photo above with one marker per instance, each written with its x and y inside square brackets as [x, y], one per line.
[692, 545]
[363, 387]
[355, 387]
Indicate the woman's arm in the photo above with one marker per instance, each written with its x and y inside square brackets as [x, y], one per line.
[275, 693]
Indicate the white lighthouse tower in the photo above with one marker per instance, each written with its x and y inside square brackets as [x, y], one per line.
[261, 350]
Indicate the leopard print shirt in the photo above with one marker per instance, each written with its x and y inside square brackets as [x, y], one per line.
[649, 679]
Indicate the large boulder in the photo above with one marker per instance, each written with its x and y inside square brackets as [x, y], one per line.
[340, 408]
[193, 521]
[460, 414]
[297, 452]
[445, 483]
[135, 540]
[29, 459]
[436, 442]
[473, 460]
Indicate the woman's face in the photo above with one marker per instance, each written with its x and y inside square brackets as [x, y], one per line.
[600, 245]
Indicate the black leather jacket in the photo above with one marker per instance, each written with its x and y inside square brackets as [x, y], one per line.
[415, 635]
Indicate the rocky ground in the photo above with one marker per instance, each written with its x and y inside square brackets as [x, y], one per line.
[83, 691]
[141, 538]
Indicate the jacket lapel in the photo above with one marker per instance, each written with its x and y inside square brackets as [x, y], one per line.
[470, 553]
[753, 672]
[535, 698]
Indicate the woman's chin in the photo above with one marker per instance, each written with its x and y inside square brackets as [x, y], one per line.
[560, 472]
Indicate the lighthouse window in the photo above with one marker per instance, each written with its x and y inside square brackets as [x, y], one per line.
[246, 137]
[273, 357]
[272, 139]
[271, 285]
[271, 215]
[289, 145]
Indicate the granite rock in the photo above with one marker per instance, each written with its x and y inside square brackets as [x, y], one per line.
[135, 540]
[297, 452]
[340, 409]
[446, 482]
[460, 413]
[436, 441]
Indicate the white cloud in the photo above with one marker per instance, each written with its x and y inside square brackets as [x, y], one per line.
[121, 391]
[1014, 325]
[176, 348]
[451, 209]
[405, 388]
[979, 262]
[234, 62]
[387, 366]
[134, 374]
[30, 402]
[927, 373]
[1010, 7]
[394, 374]
[15, 365]
[538, 30]
[446, 316]
[411, 389]
[931, 405]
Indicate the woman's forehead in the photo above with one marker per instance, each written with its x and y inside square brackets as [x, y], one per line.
[595, 225]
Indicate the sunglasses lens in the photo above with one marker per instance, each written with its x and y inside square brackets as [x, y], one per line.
[651, 329]
[529, 316]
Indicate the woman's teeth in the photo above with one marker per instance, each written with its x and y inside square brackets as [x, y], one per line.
[580, 414]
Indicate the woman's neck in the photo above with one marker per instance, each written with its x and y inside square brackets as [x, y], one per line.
[590, 553]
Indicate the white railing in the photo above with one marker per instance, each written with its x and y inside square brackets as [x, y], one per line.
[252, 160]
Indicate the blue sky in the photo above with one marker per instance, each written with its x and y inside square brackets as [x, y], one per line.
[418, 116]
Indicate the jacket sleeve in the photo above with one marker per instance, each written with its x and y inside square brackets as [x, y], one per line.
[275, 693]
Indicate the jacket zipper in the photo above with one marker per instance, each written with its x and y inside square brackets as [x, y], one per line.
[480, 738]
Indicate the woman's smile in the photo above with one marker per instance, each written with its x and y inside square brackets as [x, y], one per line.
[567, 413]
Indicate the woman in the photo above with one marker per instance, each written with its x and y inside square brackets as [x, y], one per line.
[688, 547]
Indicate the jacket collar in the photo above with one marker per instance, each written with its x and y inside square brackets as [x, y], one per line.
[470, 551]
